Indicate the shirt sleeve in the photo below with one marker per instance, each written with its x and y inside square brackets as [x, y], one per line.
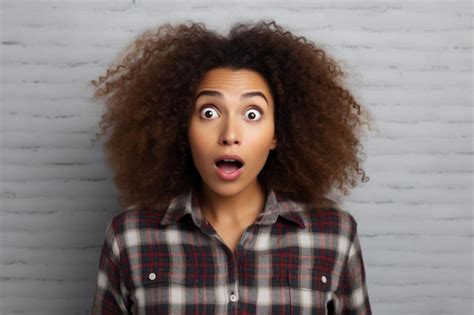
[351, 294]
[110, 293]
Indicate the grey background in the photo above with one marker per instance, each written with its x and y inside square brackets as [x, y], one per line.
[409, 62]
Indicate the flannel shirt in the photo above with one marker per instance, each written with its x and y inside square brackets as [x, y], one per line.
[294, 259]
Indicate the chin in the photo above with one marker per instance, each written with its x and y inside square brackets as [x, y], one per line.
[226, 189]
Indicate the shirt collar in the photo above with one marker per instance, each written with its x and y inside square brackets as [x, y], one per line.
[275, 206]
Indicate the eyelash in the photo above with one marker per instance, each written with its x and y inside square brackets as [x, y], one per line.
[252, 107]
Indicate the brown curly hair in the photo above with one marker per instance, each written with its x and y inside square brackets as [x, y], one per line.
[149, 93]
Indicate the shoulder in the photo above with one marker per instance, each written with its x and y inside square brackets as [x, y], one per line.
[329, 217]
[133, 219]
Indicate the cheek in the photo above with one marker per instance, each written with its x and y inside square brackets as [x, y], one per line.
[262, 138]
[261, 148]
[194, 135]
[198, 142]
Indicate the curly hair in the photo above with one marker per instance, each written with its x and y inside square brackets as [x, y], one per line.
[149, 89]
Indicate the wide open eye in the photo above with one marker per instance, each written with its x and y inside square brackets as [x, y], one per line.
[253, 114]
[208, 112]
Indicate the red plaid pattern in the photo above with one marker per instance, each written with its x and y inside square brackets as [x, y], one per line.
[295, 259]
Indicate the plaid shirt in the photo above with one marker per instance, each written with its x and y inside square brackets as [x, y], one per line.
[294, 259]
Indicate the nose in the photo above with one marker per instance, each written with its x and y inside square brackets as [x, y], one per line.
[229, 134]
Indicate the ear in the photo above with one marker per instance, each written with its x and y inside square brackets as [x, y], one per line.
[273, 145]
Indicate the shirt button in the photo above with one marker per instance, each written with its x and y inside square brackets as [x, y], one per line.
[152, 276]
[233, 298]
[324, 279]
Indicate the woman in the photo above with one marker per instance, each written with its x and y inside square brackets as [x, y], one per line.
[228, 148]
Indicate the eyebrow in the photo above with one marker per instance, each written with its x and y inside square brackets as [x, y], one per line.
[219, 94]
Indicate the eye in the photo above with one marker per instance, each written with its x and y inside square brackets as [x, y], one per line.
[253, 114]
[207, 112]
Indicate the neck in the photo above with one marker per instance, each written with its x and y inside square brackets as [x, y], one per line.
[239, 209]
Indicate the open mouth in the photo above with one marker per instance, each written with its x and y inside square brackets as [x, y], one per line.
[229, 166]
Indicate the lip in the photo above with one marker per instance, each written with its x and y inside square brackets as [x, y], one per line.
[228, 176]
[229, 157]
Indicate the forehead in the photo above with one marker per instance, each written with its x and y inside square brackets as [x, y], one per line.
[237, 81]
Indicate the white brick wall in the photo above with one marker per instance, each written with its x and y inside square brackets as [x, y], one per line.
[409, 62]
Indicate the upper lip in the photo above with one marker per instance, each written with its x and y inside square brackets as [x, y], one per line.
[229, 157]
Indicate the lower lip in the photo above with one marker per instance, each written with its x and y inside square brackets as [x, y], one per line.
[228, 176]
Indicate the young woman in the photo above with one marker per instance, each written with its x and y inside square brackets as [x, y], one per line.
[225, 152]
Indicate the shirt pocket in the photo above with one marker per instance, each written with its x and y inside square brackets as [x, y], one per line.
[310, 292]
[170, 291]
[153, 276]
